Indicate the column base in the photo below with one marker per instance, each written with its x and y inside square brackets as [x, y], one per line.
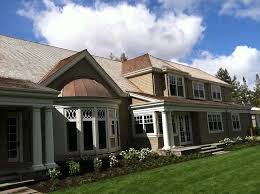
[51, 165]
[37, 167]
[166, 148]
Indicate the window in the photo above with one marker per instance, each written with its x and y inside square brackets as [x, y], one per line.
[72, 140]
[235, 122]
[72, 131]
[198, 90]
[215, 122]
[113, 119]
[12, 138]
[102, 134]
[144, 123]
[216, 92]
[87, 116]
[173, 118]
[176, 85]
[254, 121]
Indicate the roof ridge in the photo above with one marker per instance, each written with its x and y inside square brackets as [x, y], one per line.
[34, 42]
[189, 66]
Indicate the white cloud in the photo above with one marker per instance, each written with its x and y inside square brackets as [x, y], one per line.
[243, 61]
[180, 5]
[242, 8]
[117, 28]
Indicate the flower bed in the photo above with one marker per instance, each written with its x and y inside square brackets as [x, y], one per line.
[86, 170]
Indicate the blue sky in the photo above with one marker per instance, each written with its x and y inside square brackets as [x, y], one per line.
[222, 33]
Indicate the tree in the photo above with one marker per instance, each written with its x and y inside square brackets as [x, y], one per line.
[245, 93]
[256, 92]
[224, 75]
[236, 90]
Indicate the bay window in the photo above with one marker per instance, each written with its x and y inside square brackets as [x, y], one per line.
[89, 129]
[198, 90]
[235, 122]
[215, 122]
[216, 92]
[176, 85]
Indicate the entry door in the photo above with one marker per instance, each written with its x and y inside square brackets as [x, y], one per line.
[12, 138]
[185, 133]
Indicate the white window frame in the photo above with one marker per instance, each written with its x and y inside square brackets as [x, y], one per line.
[176, 81]
[79, 123]
[253, 118]
[196, 85]
[221, 120]
[213, 89]
[238, 119]
[143, 124]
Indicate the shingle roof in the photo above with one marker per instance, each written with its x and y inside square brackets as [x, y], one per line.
[9, 83]
[20, 59]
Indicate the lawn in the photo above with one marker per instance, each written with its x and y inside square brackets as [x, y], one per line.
[234, 172]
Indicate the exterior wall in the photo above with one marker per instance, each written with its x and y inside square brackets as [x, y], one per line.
[159, 84]
[201, 133]
[144, 82]
[153, 143]
[81, 70]
[137, 101]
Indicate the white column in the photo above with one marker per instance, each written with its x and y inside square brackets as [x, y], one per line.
[80, 131]
[169, 115]
[166, 136]
[155, 123]
[37, 139]
[49, 144]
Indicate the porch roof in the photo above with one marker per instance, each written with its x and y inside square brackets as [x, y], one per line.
[185, 101]
[11, 84]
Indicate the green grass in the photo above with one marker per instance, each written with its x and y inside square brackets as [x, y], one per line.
[235, 172]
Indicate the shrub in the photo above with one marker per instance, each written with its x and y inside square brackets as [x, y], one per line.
[226, 141]
[74, 168]
[97, 164]
[146, 152]
[54, 173]
[238, 139]
[113, 161]
[130, 155]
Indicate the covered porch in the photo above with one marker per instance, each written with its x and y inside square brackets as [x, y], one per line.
[26, 127]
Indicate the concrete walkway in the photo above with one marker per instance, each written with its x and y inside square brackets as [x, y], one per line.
[20, 190]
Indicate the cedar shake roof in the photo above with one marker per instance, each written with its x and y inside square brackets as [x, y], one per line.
[20, 59]
[84, 87]
[177, 100]
[60, 64]
[8, 83]
[144, 61]
[25, 60]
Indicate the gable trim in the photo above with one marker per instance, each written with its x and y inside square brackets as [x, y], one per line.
[85, 54]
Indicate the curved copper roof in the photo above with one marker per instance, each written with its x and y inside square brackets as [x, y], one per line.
[84, 87]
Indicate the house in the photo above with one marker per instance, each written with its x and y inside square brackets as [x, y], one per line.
[57, 103]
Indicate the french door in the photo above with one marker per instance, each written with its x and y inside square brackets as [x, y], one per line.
[12, 138]
[184, 126]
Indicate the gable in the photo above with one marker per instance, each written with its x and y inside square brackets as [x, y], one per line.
[81, 70]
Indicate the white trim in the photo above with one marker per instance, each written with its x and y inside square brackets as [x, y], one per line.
[219, 87]
[139, 96]
[85, 54]
[193, 88]
[215, 113]
[236, 114]
[176, 80]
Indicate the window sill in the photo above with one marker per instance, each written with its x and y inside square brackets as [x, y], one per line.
[212, 132]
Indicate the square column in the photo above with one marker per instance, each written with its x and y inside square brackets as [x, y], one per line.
[166, 135]
[49, 145]
[37, 139]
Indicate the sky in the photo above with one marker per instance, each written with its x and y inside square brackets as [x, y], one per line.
[207, 34]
